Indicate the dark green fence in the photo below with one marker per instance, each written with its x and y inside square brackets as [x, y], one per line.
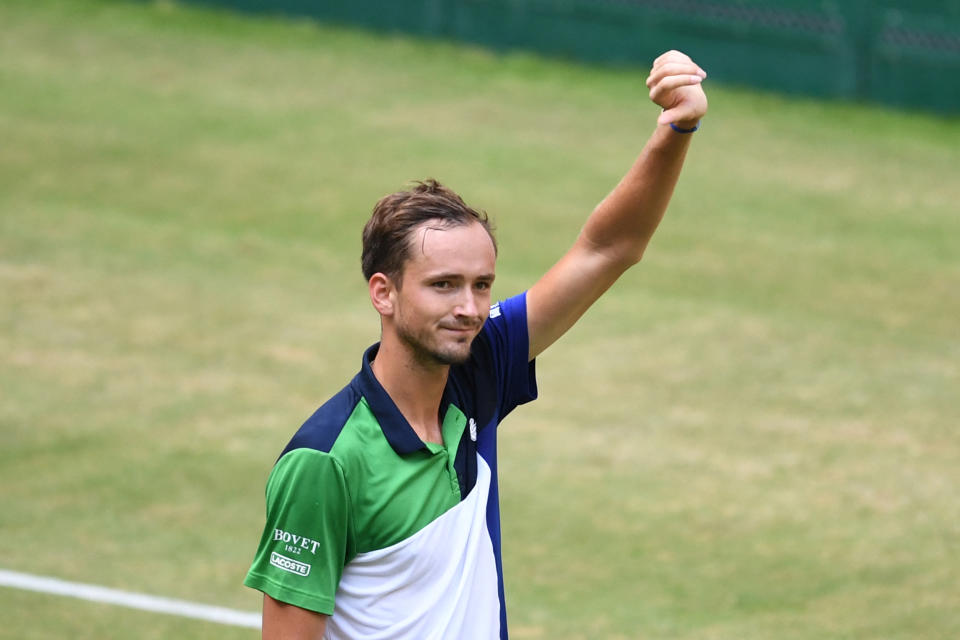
[896, 52]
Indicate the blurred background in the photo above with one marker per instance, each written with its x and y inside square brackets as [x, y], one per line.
[752, 435]
[893, 51]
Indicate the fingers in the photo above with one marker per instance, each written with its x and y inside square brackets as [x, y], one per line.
[666, 69]
[679, 114]
[673, 54]
[688, 109]
[669, 83]
[675, 57]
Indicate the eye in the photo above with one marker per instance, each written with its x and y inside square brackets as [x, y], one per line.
[441, 284]
[483, 285]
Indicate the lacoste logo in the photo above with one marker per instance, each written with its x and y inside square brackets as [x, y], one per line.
[285, 563]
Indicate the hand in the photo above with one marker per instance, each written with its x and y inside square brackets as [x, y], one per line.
[674, 84]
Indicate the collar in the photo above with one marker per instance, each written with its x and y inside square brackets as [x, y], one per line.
[395, 427]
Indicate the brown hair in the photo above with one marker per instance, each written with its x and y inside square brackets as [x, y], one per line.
[386, 236]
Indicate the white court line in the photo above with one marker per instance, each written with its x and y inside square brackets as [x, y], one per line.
[140, 601]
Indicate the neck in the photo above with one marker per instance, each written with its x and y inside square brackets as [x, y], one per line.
[415, 387]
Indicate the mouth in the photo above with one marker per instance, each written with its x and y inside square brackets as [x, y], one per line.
[461, 331]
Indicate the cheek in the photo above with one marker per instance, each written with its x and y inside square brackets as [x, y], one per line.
[425, 304]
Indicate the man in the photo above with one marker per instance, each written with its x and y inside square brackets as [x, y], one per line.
[382, 512]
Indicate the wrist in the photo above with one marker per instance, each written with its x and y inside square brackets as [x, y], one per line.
[685, 126]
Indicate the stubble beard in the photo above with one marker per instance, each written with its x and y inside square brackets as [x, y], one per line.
[427, 351]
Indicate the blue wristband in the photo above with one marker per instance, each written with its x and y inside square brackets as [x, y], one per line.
[679, 130]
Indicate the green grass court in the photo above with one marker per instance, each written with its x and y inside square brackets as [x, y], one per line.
[753, 436]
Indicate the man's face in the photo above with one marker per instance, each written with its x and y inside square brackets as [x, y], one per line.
[445, 294]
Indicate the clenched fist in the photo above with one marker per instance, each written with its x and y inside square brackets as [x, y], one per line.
[675, 85]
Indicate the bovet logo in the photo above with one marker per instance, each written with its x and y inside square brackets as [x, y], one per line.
[287, 564]
[298, 542]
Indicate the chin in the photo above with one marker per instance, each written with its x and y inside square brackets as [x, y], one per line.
[453, 356]
[451, 351]
[450, 354]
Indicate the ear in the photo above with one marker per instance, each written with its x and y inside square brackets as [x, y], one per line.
[382, 294]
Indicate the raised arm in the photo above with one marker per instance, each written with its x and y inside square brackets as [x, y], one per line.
[617, 232]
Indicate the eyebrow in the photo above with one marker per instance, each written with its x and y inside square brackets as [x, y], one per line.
[458, 276]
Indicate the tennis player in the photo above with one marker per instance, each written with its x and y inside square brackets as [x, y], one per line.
[382, 512]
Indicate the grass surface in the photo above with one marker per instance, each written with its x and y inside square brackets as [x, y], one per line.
[753, 435]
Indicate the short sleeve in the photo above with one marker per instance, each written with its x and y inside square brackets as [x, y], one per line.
[307, 539]
[508, 338]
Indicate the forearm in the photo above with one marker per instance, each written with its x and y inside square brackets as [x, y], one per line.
[616, 234]
[624, 222]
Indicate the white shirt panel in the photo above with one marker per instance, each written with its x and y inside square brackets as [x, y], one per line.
[440, 583]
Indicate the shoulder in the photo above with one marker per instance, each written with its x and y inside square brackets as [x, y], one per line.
[509, 314]
[504, 330]
[322, 429]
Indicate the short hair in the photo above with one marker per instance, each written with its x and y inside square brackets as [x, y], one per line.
[387, 235]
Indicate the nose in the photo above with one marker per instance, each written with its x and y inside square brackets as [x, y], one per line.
[467, 305]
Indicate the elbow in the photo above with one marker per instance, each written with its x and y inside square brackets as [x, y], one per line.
[627, 256]
[637, 255]
[618, 255]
